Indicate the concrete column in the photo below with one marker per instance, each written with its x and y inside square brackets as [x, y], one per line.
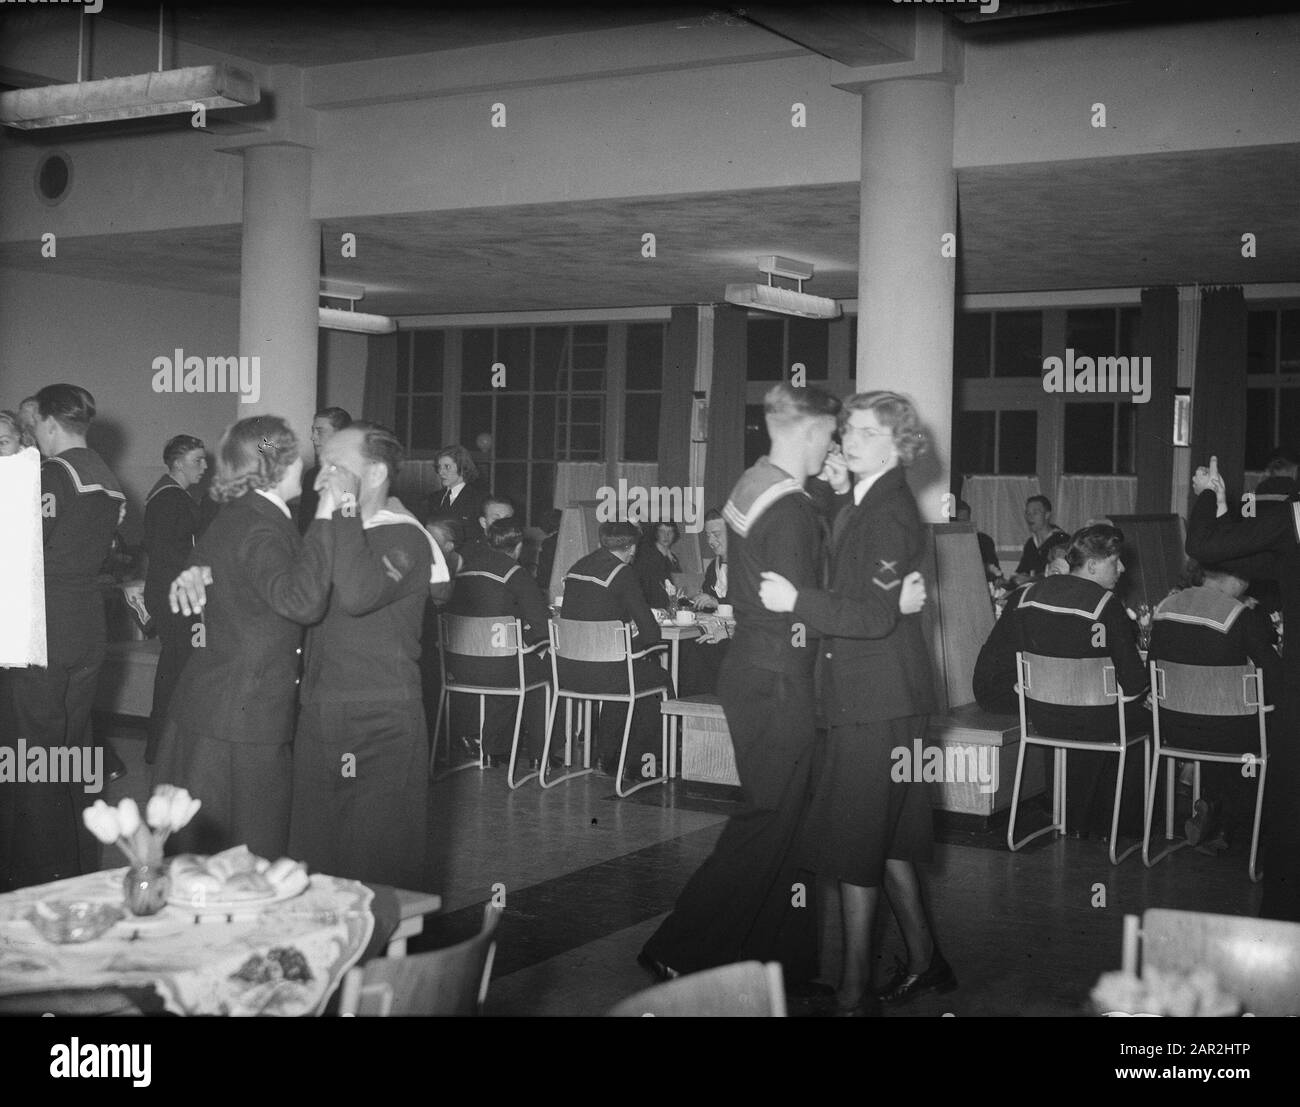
[906, 286]
[280, 284]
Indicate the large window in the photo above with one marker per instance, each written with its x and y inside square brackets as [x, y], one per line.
[1099, 438]
[775, 346]
[998, 344]
[1273, 381]
[997, 442]
[643, 390]
[420, 382]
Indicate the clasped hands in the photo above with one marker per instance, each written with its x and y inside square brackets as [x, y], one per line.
[778, 594]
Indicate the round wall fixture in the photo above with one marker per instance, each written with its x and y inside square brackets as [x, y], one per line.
[54, 177]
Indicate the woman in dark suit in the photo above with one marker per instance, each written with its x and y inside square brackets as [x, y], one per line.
[458, 499]
[866, 827]
[228, 730]
[656, 563]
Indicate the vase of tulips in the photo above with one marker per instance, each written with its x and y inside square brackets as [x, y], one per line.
[145, 884]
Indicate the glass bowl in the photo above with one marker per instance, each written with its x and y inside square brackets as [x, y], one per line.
[66, 922]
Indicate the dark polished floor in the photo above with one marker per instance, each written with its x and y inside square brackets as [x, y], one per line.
[587, 877]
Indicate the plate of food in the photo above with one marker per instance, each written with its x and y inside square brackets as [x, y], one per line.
[234, 880]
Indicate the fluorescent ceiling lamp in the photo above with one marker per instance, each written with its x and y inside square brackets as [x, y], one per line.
[783, 301]
[171, 92]
[361, 322]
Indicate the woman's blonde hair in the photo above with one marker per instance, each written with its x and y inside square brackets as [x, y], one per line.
[895, 412]
[253, 453]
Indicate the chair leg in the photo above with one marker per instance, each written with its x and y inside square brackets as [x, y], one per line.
[552, 711]
[437, 729]
[445, 701]
[622, 759]
[1255, 875]
[1119, 795]
[1012, 844]
[514, 747]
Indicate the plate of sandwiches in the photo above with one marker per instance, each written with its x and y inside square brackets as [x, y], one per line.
[233, 880]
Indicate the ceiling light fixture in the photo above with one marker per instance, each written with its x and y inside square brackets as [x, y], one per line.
[783, 301]
[169, 92]
[358, 322]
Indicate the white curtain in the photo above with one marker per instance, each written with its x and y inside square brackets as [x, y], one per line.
[1083, 500]
[583, 480]
[22, 562]
[997, 507]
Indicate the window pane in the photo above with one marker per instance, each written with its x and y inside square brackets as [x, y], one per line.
[476, 360]
[1261, 341]
[401, 416]
[1018, 442]
[1290, 359]
[645, 356]
[1089, 438]
[809, 343]
[544, 427]
[591, 334]
[1289, 417]
[543, 491]
[757, 442]
[641, 428]
[584, 443]
[587, 380]
[764, 349]
[1259, 425]
[1124, 444]
[515, 351]
[475, 419]
[589, 356]
[973, 444]
[1091, 331]
[510, 478]
[1129, 318]
[551, 354]
[1018, 344]
[403, 362]
[970, 344]
[426, 422]
[427, 361]
[587, 409]
[512, 426]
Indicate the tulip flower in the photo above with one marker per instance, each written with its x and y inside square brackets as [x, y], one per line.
[179, 805]
[156, 812]
[102, 821]
[128, 817]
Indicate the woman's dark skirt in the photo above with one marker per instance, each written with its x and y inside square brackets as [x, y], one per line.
[860, 816]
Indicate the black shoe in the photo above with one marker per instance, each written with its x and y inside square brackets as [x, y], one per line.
[657, 969]
[939, 977]
[1200, 826]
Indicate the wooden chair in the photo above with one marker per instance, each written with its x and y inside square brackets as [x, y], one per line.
[746, 989]
[484, 636]
[605, 641]
[451, 981]
[1217, 691]
[1257, 961]
[1072, 682]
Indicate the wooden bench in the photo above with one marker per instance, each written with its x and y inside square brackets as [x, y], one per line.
[707, 755]
[412, 908]
[986, 746]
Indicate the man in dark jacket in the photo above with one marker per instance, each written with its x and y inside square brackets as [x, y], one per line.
[1079, 616]
[324, 425]
[491, 582]
[603, 586]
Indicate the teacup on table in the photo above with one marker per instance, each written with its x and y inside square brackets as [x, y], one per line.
[685, 618]
[726, 611]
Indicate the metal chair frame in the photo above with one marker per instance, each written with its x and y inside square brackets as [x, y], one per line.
[1109, 690]
[1217, 683]
[617, 647]
[461, 634]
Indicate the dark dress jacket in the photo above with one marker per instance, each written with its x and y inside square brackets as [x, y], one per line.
[1203, 626]
[467, 507]
[876, 659]
[994, 680]
[710, 586]
[1071, 616]
[268, 582]
[652, 569]
[602, 587]
[83, 504]
[171, 522]
[491, 582]
[1031, 557]
[309, 500]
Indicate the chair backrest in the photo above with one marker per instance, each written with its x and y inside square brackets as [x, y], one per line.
[579, 640]
[745, 989]
[1255, 960]
[451, 981]
[1067, 681]
[1221, 690]
[479, 635]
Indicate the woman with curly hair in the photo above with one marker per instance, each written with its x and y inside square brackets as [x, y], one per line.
[230, 723]
[866, 827]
